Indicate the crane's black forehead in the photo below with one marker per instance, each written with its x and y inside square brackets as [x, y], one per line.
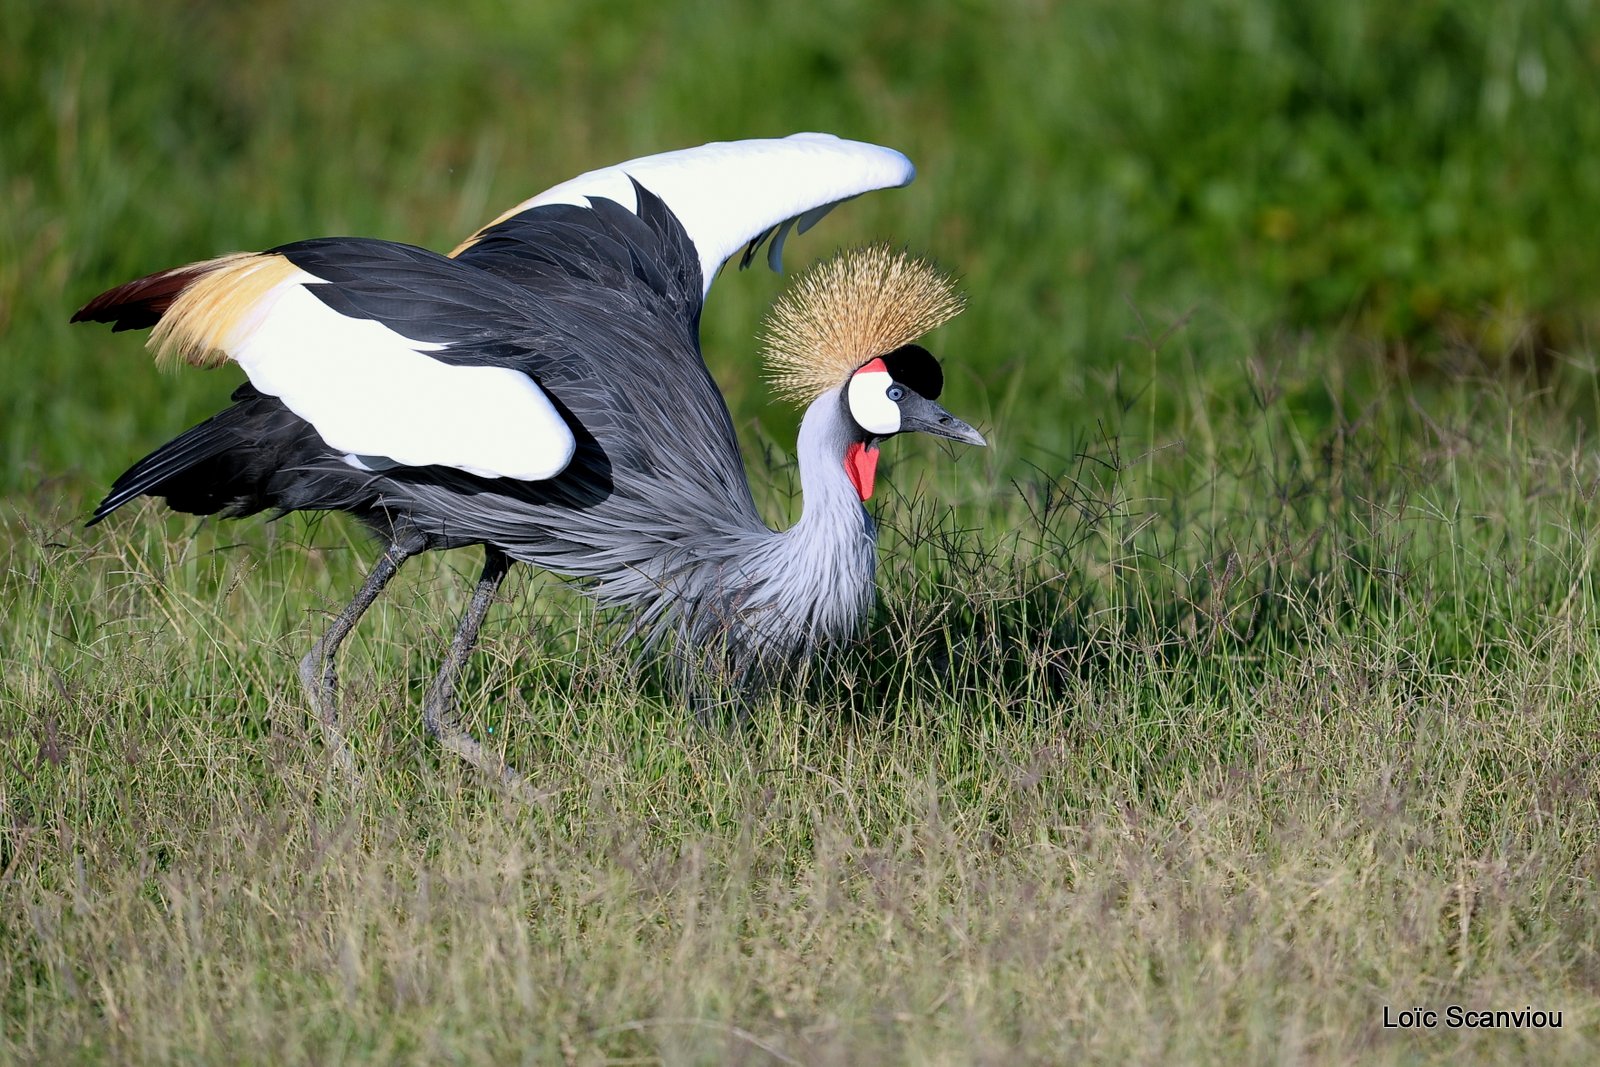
[915, 366]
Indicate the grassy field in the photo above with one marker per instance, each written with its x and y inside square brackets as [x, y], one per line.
[1247, 687]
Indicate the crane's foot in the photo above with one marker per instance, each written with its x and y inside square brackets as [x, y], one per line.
[321, 685]
[438, 714]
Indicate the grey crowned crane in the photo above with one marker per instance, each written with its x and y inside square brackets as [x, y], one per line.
[540, 392]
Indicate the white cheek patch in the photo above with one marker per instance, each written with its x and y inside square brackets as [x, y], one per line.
[870, 405]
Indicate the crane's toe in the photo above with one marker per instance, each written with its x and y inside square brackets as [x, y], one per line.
[438, 714]
[321, 685]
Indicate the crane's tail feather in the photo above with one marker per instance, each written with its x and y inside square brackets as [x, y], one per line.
[167, 462]
[163, 472]
[226, 464]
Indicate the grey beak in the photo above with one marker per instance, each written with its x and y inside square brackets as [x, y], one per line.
[924, 416]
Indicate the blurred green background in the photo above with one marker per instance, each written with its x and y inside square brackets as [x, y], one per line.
[1402, 187]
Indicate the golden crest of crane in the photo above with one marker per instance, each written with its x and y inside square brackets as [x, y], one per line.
[863, 303]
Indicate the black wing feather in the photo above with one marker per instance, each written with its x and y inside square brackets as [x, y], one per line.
[605, 244]
[418, 294]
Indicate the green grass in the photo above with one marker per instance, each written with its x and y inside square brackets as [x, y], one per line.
[1248, 684]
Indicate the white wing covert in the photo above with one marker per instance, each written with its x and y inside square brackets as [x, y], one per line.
[733, 194]
[369, 385]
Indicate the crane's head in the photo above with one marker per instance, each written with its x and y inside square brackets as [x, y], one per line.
[895, 393]
[851, 325]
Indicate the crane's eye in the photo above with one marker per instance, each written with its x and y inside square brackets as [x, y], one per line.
[895, 393]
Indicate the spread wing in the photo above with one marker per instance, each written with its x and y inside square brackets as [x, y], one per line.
[400, 356]
[393, 354]
[730, 194]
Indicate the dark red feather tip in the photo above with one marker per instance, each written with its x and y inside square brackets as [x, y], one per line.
[139, 304]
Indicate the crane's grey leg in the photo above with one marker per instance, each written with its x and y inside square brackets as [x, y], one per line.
[438, 707]
[318, 672]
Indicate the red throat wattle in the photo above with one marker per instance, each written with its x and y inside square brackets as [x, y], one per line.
[861, 464]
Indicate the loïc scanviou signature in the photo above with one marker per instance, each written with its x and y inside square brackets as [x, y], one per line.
[1456, 1017]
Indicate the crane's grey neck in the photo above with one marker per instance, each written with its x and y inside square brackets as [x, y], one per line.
[829, 501]
[812, 584]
